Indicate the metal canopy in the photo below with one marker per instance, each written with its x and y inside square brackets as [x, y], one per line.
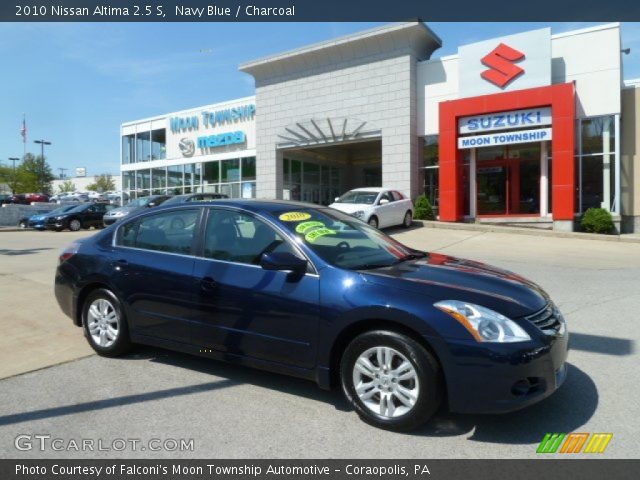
[326, 131]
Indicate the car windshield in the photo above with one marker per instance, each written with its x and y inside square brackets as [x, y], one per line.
[360, 197]
[343, 241]
[79, 208]
[58, 211]
[139, 202]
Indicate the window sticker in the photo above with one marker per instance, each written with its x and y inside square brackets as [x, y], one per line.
[306, 226]
[313, 235]
[294, 216]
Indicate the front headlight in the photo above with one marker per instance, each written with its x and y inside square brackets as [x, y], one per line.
[484, 324]
[61, 217]
[117, 214]
[358, 214]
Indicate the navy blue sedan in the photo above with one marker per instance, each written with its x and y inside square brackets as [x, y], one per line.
[314, 293]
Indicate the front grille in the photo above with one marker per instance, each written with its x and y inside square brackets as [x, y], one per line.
[549, 320]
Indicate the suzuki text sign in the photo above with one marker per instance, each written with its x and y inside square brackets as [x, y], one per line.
[505, 138]
[527, 118]
[506, 63]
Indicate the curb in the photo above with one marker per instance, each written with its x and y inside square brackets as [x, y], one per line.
[528, 231]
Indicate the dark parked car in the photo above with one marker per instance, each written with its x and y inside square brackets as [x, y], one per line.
[136, 205]
[19, 199]
[81, 216]
[315, 293]
[37, 221]
[5, 198]
[194, 197]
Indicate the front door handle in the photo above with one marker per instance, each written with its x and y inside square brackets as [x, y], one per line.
[207, 284]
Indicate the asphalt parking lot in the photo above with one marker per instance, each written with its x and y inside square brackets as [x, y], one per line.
[234, 412]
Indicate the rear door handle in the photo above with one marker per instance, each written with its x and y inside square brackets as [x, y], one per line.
[207, 284]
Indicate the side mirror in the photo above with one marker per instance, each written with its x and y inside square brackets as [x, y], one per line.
[383, 201]
[284, 261]
[151, 204]
[337, 199]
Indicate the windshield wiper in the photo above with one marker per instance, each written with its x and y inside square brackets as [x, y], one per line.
[410, 256]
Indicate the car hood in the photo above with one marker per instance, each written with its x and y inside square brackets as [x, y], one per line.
[350, 207]
[442, 277]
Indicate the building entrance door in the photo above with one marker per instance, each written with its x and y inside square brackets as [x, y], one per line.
[509, 184]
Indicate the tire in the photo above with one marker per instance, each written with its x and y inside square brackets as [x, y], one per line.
[75, 224]
[98, 323]
[373, 221]
[408, 219]
[422, 387]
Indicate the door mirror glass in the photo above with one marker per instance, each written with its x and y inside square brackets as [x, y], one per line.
[284, 261]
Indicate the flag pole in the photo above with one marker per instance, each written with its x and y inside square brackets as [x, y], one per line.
[24, 136]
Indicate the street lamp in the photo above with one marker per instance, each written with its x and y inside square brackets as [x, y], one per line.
[41, 172]
[13, 186]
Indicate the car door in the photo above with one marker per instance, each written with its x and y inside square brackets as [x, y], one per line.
[400, 207]
[152, 270]
[94, 214]
[385, 209]
[245, 310]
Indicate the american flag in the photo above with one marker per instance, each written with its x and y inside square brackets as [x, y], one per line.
[23, 130]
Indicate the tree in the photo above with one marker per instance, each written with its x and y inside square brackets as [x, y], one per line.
[6, 178]
[67, 186]
[34, 175]
[102, 183]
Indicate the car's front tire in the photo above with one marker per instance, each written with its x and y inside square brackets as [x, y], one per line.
[373, 221]
[75, 225]
[391, 380]
[104, 323]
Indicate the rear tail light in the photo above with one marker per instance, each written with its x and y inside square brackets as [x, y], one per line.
[69, 251]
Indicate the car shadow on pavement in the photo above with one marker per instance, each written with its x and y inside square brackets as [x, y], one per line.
[26, 251]
[242, 375]
[565, 411]
[601, 344]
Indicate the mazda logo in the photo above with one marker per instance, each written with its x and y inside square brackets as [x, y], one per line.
[187, 147]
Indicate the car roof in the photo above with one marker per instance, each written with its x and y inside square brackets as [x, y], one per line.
[251, 204]
[369, 189]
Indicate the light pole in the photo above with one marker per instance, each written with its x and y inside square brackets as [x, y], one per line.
[13, 183]
[41, 172]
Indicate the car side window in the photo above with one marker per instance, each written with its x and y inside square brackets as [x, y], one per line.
[241, 238]
[170, 232]
[397, 195]
[386, 196]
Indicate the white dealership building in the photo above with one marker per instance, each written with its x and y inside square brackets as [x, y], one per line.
[528, 128]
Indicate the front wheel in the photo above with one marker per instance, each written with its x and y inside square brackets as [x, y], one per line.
[104, 323]
[391, 380]
[75, 225]
[373, 222]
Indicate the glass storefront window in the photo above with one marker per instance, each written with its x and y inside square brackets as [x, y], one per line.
[595, 163]
[128, 180]
[143, 179]
[159, 179]
[249, 168]
[248, 189]
[490, 153]
[128, 149]
[143, 146]
[230, 170]
[158, 144]
[174, 179]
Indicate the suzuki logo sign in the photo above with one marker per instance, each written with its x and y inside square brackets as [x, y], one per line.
[501, 62]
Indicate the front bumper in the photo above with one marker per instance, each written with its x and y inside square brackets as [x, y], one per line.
[500, 378]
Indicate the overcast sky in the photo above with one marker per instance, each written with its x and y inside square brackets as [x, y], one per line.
[77, 83]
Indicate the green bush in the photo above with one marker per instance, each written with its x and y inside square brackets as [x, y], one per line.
[423, 210]
[597, 220]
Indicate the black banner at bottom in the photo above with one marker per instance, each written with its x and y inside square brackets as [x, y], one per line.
[317, 469]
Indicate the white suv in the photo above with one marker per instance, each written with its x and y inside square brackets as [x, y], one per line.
[379, 207]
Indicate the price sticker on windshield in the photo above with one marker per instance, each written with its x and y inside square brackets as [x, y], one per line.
[304, 227]
[294, 216]
[313, 235]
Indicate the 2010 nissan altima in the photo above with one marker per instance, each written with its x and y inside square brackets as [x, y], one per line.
[315, 293]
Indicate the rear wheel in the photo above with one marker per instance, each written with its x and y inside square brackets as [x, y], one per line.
[104, 323]
[75, 225]
[373, 221]
[408, 219]
[391, 380]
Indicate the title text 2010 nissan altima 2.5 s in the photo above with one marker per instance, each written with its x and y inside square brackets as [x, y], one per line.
[312, 292]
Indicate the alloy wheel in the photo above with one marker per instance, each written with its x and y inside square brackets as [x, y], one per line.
[103, 322]
[75, 225]
[386, 382]
[373, 222]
